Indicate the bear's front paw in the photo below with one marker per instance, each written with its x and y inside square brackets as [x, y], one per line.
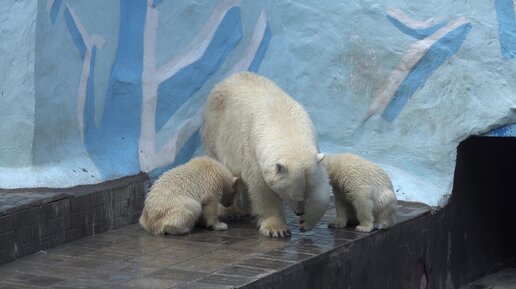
[364, 228]
[337, 224]
[219, 226]
[274, 229]
[304, 225]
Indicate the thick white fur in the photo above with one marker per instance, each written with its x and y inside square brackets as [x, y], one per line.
[183, 194]
[363, 192]
[268, 140]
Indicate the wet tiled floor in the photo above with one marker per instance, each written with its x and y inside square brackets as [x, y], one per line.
[131, 258]
[503, 279]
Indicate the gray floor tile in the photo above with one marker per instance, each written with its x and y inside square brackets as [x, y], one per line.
[4, 285]
[176, 274]
[237, 270]
[150, 283]
[30, 279]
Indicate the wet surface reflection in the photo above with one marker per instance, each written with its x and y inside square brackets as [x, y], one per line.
[131, 258]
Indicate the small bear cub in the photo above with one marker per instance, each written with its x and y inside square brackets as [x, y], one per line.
[363, 193]
[187, 194]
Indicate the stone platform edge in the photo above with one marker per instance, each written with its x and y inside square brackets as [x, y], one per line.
[69, 214]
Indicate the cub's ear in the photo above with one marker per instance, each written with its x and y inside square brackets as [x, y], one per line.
[235, 179]
[280, 168]
[320, 157]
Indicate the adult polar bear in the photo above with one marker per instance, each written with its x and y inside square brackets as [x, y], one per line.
[267, 139]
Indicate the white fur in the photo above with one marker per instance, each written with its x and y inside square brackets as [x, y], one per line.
[181, 195]
[363, 192]
[267, 139]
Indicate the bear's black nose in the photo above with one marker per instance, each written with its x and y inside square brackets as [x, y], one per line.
[299, 213]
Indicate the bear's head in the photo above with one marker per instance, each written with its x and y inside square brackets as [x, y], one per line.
[290, 178]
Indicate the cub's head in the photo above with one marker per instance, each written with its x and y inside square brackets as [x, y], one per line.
[229, 192]
[291, 179]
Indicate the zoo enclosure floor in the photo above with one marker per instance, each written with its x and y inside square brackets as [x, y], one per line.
[129, 257]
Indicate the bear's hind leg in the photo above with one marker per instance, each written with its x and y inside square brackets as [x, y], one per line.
[210, 214]
[182, 218]
[386, 210]
[172, 229]
[364, 207]
[342, 215]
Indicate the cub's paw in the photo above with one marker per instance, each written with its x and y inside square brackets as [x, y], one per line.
[274, 229]
[337, 224]
[304, 225]
[364, 228]
[219, 226]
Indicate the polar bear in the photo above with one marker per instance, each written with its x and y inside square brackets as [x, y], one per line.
[363, 192]
[179, 198]
[268, 141]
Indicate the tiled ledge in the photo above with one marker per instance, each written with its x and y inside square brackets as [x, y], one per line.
[40, 219]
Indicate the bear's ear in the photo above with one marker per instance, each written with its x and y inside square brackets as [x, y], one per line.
[235, 179]
[320, 157]
[280, 168]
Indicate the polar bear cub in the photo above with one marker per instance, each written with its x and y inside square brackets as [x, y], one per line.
[184, 194]
[363, 192]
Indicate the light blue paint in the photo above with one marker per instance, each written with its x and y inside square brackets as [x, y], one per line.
[416, 33]
[74, 32]
[506, 27]
[113, 145]
[89, 105]
[175, 91]
[262, 49]
[194, 142]
[503, 131]
[54, 10]
[184, 155]
[155, 3]
[437, 54]
[17, 84]
[317, 62]
[57, 72]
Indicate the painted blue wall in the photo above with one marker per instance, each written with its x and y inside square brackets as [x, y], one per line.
[116, 91]
[17, 54]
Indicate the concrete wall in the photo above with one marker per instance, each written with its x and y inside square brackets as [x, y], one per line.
[106, 89]
[17, 43]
